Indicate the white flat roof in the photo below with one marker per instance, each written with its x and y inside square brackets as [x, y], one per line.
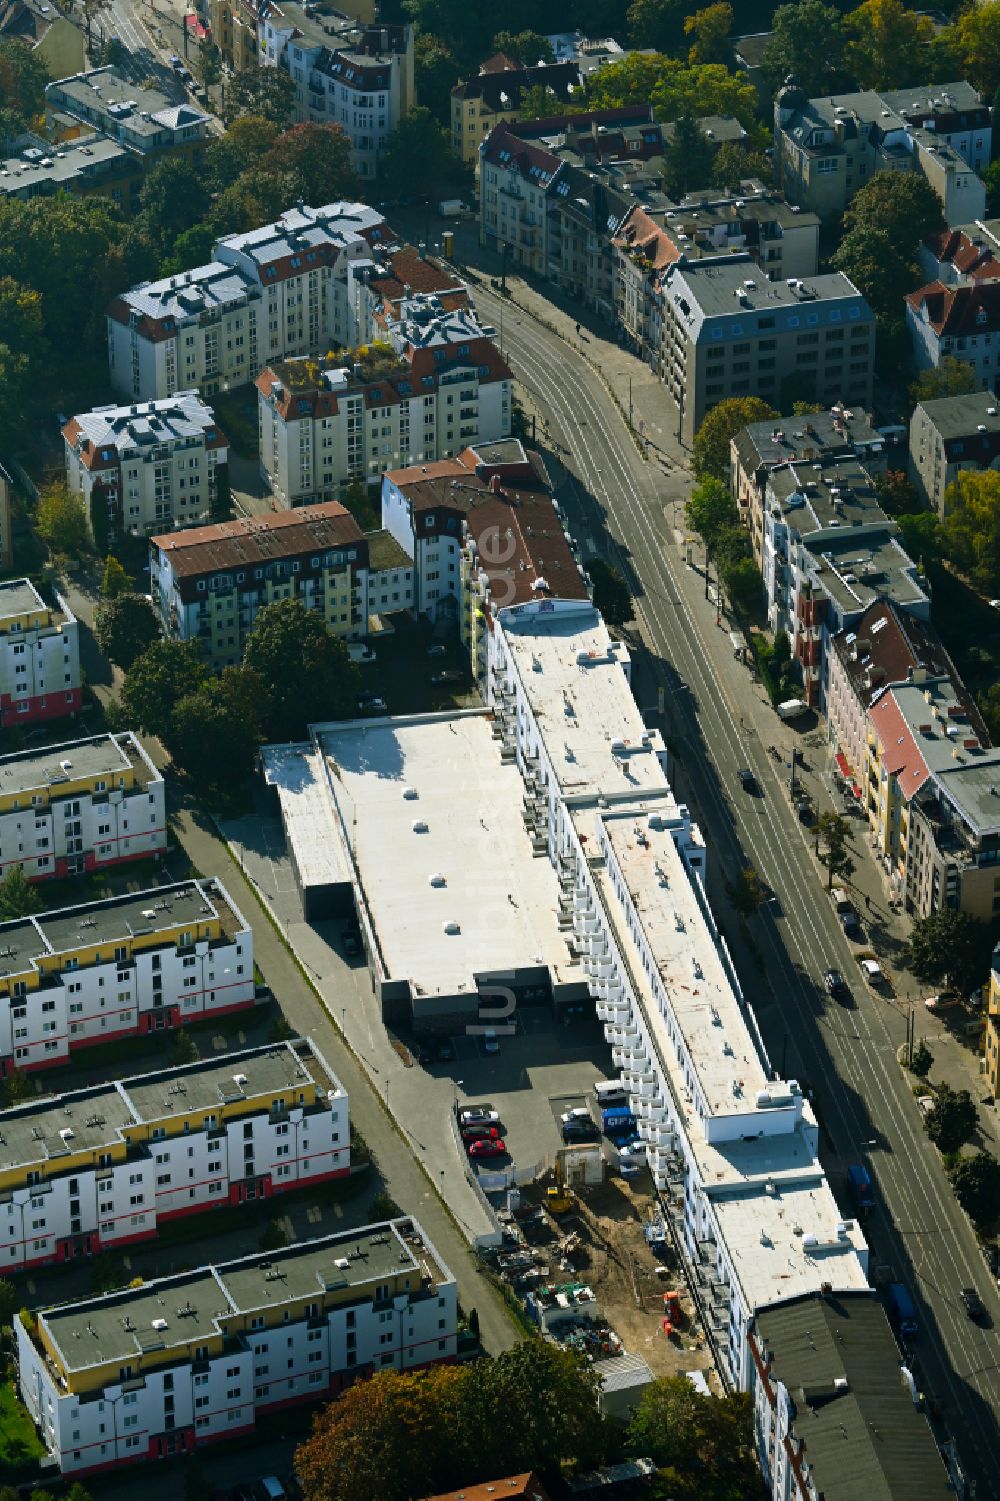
[575, 677]
[710, 1017]
[296, 772]
[434, 820]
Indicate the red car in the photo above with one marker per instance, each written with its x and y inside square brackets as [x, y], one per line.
[480, 1133]
[490, 1148]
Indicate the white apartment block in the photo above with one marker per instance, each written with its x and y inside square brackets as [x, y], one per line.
[102, 1167]
[80, 806]
[123, 967]
[280, 290]
[346, 72]
[161, 1369]
[149, 467]
[732, 1147]
[39, 656]
[436, 385]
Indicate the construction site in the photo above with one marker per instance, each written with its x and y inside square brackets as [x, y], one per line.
[592, 1266]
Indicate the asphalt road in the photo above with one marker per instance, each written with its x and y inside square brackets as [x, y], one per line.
[847, 1057]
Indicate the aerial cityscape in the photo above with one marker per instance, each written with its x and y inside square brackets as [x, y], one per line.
[499, 750]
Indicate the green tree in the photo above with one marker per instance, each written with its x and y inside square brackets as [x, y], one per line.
[970, 531]
[274, 1236]
[22, 318]
[265, 93]
[687, 158]
[436, 72]
[919, 533]
[733, 164]
[255, 198]
[723, 422]
[656, 23]
[952, 1119]
[208, 66]
[808, 41]
[18, 898]
[991, 177]
[215, 731]
[193, 247]
[540, 101]
[902, 205]
[972, 46]
[23, 79]
[887, 46]
[244, 145]
[976, 1184]
[746, 891]
[16, 386]
[922, 1061]
[17, 1087]
[675, 88]
[742, 580]
[382, 1207]
[417, 151]
[611, 593]
[528, 47]
[833, 833]
[702, 1445]
[878, 267]
[951, 378]
[305, 670]
[950, 947]
[711, 511]
[989, 704]
[549, 1398]
[709, 30]
[314, 163]
[184, 1049]
[114, 579]
[125, 627]
[167, 672]
[173, 198]
[8, 1303]
[896, 494]
[61, 521]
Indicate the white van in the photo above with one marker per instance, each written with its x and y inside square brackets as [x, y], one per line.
[610, 1093]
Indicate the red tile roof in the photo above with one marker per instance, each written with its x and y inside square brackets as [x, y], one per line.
[513, 1488]
[953, 247]
[900, 752]
[504, 149]
[643, 234]
[258, 539]
[954, 311]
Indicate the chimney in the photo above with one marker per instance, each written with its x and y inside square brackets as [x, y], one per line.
[495, 484]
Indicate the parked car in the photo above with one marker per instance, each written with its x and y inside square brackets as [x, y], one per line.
[495, 1148]
[580, 1131]
[175, 62]
[450, 675]
[852, 927]
[371, 703]
[579, 1113]
[437, 650]
[973, 1304]
[351, 939]
[747, 779]
[478, 1115]
[480, 1133]
[444, 1050]
[925, 1103]
[872, 971]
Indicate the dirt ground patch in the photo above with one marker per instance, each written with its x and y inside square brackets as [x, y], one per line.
[614, 1258]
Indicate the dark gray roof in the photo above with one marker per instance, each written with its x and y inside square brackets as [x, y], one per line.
[864, 1440]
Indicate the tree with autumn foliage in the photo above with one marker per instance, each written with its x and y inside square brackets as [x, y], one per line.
[397, 1436]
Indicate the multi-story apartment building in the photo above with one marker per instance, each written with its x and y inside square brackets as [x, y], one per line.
[514, 178]
[482, 532]
[163, 1368]
[141, 119]
[949, 435]
[6, 520]
[992, 1048]
[826, 149]
[781, 238]
[346, 72]
[80, 806]
[209, 583]
[233, 24]
[826, 1374]
[929, 795]
[494, 97]
[284, 289]
[147, 466]
[728, 332]
[828, 551]
[122, 967]
[758, 450]
[102, 1167]
[967, 253]
[643, 250]
[882, 648]
[436, 385]
[39, 656]
[84, 167]
[962, 322]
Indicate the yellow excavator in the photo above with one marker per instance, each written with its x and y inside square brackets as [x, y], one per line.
[560, 1198]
